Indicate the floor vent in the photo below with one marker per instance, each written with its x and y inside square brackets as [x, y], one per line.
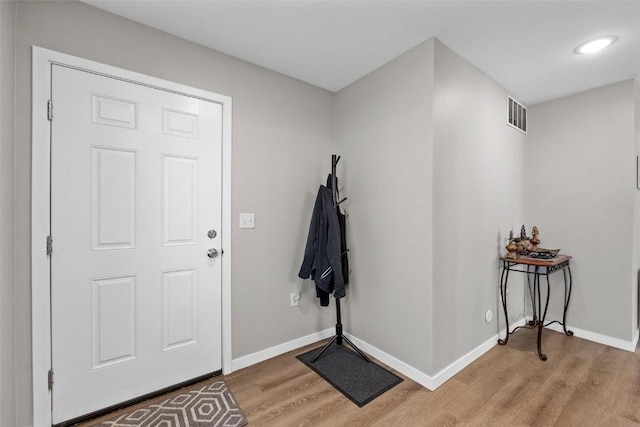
[517, 115]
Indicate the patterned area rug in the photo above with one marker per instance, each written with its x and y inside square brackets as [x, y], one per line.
[211, 405]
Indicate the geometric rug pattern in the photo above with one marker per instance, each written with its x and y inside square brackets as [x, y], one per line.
[211, 405]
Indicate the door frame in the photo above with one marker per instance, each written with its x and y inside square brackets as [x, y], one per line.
[42, 61]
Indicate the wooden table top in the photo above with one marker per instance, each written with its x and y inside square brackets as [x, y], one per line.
[559, 259]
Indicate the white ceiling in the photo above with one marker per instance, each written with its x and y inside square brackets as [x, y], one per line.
[526, 46]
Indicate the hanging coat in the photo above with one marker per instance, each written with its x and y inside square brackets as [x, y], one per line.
[323, 253]
[342, 220]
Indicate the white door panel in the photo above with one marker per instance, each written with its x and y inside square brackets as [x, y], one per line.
[136, 186]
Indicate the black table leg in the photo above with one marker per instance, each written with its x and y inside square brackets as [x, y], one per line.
[503, 296]
[541, 355]
[567, 297]
[532, 294]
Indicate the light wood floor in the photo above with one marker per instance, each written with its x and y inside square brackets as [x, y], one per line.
[581, 384]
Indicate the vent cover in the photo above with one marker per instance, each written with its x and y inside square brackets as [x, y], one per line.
[517, 115]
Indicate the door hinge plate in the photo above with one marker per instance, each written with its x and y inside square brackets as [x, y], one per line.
[50, 379]
[49, 245]
[50, 110]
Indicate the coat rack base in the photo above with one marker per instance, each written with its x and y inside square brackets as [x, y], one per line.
[338, 338]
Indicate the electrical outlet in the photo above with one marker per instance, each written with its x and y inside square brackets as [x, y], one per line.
[488, 316]
[295, 297]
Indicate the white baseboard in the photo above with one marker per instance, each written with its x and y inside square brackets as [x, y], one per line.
[458, 365]
[599, 338]
[428, 381]
[400, 366]
[517, 324]
[416, 375]
[260, 356]
[592, 336]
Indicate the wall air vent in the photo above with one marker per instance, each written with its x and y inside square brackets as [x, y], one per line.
[517, 115]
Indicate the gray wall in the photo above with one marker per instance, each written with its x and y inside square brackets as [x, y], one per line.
[384, 132]
[580, 189]
[282, 143]
[7, 321]
[434, 178]
[478, 180]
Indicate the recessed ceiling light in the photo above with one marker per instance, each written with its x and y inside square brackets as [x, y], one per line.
[596, 45]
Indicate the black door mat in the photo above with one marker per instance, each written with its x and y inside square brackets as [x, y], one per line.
[357, 379]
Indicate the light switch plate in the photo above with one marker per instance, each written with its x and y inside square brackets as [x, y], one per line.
[247, 220]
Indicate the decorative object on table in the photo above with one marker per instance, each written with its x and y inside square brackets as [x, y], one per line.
[209, 405]
[523, 243]
[511, 247]
[542, 253]
[523, 233]
[534, 238]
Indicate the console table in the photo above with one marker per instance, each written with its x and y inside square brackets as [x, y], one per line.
[535, 268]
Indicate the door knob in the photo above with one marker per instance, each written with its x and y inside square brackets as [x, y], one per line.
[212, 253]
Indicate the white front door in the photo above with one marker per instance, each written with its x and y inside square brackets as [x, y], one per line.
[135, 209]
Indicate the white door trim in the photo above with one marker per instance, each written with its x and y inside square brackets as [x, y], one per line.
[42, 59]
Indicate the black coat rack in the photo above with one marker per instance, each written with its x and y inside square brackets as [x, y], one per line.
[339, 336]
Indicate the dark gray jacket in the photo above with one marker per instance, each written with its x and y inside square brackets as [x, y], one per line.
[323, 254]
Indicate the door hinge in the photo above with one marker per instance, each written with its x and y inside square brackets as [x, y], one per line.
[49, 245]
[50, 110]
[50, 379]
